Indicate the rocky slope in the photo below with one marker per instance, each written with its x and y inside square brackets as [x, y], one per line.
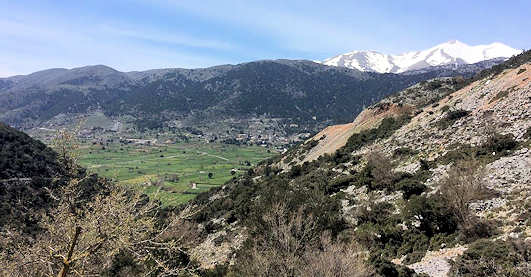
[385, 182]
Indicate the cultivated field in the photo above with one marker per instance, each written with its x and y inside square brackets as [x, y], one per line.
[167, 172]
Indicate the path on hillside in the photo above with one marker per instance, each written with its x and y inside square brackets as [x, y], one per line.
[215, 156]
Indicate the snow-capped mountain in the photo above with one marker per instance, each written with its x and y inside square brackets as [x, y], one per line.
[452, 52]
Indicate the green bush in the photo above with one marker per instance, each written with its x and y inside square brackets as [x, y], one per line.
[410, 187]
[451, 117]
[527, 134]
[404, 151]
[434, 216]
[494, 258]
[500, 145]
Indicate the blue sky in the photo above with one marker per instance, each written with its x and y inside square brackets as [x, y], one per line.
[144, 34]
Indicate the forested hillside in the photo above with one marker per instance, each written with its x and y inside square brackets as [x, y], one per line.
[299, 92]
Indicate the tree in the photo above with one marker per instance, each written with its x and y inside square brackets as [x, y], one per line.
[293, 246]
[463, 184]
[87, 229]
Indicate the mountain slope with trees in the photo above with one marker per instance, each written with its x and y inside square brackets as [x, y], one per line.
[299, 92]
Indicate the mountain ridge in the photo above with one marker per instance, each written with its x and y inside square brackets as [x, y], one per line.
[301, 96]
[451, 52]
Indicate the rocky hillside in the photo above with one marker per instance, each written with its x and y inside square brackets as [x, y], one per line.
[433, 180]
[303, 96]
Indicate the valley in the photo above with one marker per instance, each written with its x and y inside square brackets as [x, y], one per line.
[168, 171]
[286, 168]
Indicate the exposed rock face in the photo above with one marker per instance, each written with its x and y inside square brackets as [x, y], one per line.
[436, 263]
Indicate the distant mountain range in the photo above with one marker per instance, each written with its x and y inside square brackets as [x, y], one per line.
[300, 96]
[449, 53]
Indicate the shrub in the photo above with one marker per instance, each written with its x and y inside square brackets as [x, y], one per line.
[414, 257]
[527, 134]
[293, 245]
[500, 145]
[381, 171]
[462, 185]
[494, 258]
[404, 151]
[499, 95]
[433, 215]
[451, 117]
[410, 187]
[386, 268]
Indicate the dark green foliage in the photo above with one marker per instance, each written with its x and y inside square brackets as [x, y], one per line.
[24, 157]
[303, 187]
[478, 228]
[414, 257]
[435, 84]
[148, 123]
[386, 268]
[29, 170]
[500, 95]
[522, 70]
[434, 216]
[404, 152]
[339, 183]
[513, 62]
[409, 184]
[451, 117]
[386, 128]
[410, 187]
[429, 224]
[494, 258]
[500, 145]
[527, 134]
[309, 145]
[35, 164]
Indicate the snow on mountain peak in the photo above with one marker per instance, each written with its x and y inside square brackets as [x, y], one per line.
[451, 52]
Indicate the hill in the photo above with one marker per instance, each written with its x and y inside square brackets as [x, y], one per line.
[30, 173]
[426, 181]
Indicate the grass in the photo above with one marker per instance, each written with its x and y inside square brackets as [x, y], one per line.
[144, 165]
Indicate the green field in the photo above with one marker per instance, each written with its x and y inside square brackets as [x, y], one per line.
[153, 168]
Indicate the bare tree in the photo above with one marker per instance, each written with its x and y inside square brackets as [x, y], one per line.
[293, 247]
[83, 233]
[381, 169]
[463, 184]
[336, 260]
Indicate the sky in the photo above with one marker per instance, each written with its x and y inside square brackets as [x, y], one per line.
[133, 35]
